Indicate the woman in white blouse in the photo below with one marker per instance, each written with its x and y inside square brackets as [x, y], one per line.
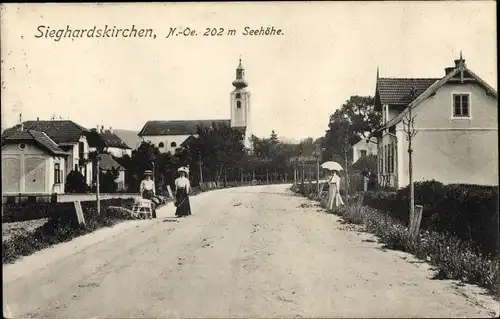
[147, 189]
[182, 188]
[334, 198]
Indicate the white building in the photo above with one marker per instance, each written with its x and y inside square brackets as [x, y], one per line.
[363, 148]
[109, 141]
[38, 155]
[169, 135]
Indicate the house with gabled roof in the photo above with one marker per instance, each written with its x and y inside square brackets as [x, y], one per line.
[169, 135]
[109, 142]
[32, 163]
[68, 136]
[456, 125]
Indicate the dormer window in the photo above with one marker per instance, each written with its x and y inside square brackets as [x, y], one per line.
[238, 104]
[173, 144]
[238, 95]
[461, 105]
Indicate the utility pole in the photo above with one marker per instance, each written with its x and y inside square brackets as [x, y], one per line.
[317, 173]
[201, 173]
[98, 172]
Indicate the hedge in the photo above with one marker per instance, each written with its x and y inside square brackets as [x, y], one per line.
[469, 212]
[14, 212]
[61, 227]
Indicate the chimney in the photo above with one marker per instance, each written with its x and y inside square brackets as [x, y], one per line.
[21, 120]
[460, 63]
[102, 128]
[111, 130]
[448, 70]
[37, 119]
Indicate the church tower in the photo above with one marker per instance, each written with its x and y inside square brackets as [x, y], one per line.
[240, 103]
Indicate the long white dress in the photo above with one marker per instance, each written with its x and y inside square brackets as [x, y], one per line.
[334, 198]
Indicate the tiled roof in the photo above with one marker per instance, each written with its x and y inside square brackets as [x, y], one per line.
[107, 163]
[106, 138]
[60, 131]
[112, 140]
[436, 86]
[94, 139]
[152, 128]
[397, 91]
[38, 138]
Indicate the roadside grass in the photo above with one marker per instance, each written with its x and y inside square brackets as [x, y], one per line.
[453, 258]
[25, 238]
[55, 231]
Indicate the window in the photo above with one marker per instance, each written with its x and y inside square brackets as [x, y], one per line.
[161, 145]
[384, 112]
[238, 104]
[362, 153]
[173, 144]
[380, 163]
[57, 173]
[391, 159]
[386, 159]
[22, 146]
[238, 95]
[81, 149]
[461, 105]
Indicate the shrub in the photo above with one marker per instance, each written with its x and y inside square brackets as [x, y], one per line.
[75, 183]
[61, 228]
[468, 212]
[454, 258]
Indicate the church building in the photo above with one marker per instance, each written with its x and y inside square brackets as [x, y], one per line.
[169, 135]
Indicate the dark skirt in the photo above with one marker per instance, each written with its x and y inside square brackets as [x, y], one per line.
[148, 194]
[182, 203]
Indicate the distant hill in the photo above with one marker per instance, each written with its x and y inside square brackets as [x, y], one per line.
[129, 137]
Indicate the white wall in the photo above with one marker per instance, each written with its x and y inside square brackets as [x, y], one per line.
[240, 117]
[370, 148]
[118, 152]
[167, 141]
[453, 150]
[27, 170]
[74, 157]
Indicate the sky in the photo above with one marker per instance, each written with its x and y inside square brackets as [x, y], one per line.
[328, 51]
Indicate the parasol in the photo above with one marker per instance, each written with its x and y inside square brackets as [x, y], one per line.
[332, 166]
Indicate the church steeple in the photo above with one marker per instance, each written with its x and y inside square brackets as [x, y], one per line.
[240, 81]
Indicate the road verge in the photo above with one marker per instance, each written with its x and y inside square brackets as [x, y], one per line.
[453, 258]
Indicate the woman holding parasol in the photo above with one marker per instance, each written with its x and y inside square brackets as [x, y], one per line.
[334, 198]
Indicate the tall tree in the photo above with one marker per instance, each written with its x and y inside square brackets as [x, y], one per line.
[355, 120]
[220, 147]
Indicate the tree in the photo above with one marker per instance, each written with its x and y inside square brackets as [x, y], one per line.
[355, 120]
[108, 180]
[75, 183]
[410, 132]
[219, 147]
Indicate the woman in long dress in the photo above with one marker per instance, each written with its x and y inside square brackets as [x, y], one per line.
[147, 189]
[334, 198]
[182, 188]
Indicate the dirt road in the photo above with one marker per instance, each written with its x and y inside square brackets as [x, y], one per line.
[246, 252]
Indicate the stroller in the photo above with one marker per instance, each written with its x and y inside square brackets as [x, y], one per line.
[144, 209]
